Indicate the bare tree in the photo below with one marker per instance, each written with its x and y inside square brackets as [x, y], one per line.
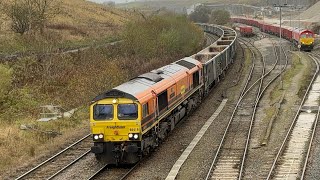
[31, 14]
[42, 11]
[18, 12]
[200, 14]
[220, 17]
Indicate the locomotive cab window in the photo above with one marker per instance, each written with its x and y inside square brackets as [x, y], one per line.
[103, 112]
[127, 111]
[196, 80]
[145, 110]
[309, 36]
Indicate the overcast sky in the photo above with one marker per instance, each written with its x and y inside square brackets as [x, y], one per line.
[117, 1]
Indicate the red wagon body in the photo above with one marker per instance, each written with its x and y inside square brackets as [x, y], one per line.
[246, 30]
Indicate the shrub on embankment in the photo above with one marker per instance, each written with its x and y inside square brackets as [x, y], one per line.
[73, 80]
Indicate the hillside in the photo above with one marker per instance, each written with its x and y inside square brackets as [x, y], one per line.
[312, 14]
[179, 4]
[78, 23]
[309, 18]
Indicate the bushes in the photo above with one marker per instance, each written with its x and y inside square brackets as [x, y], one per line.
[72, 80]
[220, 17]
[15, 102]
[161, 36]
[5, 82]
[30, 14]
[200, 14]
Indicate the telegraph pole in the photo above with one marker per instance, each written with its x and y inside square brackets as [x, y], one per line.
[280, 37]
[299, 43]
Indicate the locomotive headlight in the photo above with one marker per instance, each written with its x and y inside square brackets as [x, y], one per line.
[96, 137]
[136, 136]
[130, 135]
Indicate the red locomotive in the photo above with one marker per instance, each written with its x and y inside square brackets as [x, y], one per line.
[302, 38]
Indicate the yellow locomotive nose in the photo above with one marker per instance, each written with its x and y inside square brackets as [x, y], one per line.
[307, 41]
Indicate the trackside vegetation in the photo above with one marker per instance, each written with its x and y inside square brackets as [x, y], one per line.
[203, 14]
[73, 80]
[161, 36]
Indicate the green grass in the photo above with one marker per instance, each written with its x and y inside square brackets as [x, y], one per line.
[79, 23]
[288, 75]
[18, 146]
[277, 92]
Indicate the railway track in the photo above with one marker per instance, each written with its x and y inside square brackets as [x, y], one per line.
[292, 157]
[231, 162]
[97, 173]
[229, 157]
[52, 166]
[63, 160]
[210, 39]
[274, 71]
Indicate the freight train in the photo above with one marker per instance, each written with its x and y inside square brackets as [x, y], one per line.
[246, 31]
[302, 38]
[130, 120]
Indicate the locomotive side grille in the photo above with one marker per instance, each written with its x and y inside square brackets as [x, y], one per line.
[186, 64]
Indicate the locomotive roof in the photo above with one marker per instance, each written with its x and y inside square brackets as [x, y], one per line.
[146, 82]
[301, 30]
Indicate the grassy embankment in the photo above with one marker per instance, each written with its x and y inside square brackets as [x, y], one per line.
[79, 23]
[183, 3]
[72, 80]
[298, 69]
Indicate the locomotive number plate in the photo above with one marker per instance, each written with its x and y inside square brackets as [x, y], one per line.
[134, 129]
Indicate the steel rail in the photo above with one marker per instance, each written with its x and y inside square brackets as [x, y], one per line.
[260, 96]
[251, 122]
[233, 114]
[249, 76]
[266, 74]
[51, 158]
[292, 124]
[282, 70]
[98, 172]
[130, 171]
[67, 166]
[255, 108]
[211, 38]
[310, 145]
[311, 140]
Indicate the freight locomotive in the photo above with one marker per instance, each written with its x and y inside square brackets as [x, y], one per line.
[130, 120]
[302, 37]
